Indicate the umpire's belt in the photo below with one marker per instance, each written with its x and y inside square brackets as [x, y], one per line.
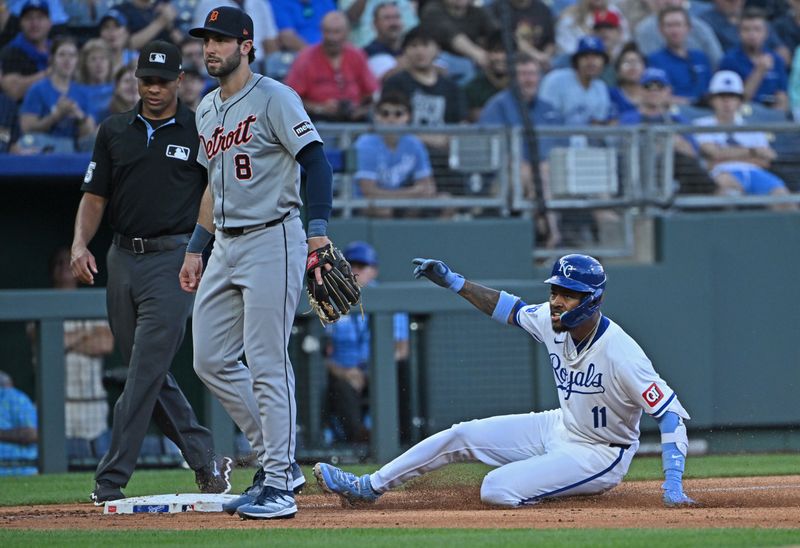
[620, 445]
[147, 245]
[241, 230]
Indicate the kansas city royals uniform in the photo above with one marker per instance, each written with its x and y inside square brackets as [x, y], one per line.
[584, 447]
[250, 290]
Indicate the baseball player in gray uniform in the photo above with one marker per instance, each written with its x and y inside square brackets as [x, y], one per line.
[254, 136]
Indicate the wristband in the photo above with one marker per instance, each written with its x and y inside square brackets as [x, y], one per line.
[317, 227]
[457, 283]
[199, 240]
[505, 304]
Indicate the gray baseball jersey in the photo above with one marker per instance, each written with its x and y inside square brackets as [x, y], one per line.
[248, 144]
[250, 290]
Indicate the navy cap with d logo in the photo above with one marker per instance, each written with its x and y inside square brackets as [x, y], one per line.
[160, 59]
[227, 21]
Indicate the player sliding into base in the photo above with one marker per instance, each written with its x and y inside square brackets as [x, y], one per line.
[604, 381]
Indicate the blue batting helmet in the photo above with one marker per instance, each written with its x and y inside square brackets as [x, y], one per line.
[584, 274]
[361, 252]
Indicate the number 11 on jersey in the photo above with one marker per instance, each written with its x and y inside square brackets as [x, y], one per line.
[599, 414]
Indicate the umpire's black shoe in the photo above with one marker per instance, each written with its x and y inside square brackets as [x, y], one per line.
[215, 477]
[104, 492]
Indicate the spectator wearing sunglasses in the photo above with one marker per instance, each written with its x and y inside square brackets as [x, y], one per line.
[392, 165]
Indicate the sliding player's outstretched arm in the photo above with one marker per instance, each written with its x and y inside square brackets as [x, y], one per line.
[497, 304]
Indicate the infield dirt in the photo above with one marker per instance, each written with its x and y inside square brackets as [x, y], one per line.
[769, 502]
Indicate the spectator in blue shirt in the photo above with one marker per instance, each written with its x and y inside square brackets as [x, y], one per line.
[503, 109]
[18, 435]
[24, 59]
[689, 69]
[628, 69]
[299, 22]
[762, 70]
[58, 106]
[348, 354]
[96, 76]
[577, 92]
[392, 165]
[724, 19]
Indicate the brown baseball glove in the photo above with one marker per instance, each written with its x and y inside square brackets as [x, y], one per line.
[339, 290]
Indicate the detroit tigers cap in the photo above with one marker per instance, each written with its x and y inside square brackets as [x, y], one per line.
[160, 59]
[227, 21]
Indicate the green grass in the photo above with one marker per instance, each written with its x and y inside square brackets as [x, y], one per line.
[441, 538]
[75, 487]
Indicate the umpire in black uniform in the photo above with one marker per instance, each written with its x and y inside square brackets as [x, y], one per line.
[144, 170]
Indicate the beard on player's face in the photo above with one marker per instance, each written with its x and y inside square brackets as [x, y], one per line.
[225, 66]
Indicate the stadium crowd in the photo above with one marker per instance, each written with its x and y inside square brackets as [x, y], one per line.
[65, 65]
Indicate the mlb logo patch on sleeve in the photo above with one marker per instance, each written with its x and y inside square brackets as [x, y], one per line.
[177, 152]
[302, 128]
[653, 395]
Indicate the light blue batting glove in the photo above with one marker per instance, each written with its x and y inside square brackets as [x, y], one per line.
[439, 273]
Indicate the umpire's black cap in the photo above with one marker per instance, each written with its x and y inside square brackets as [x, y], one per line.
[160, 59]
[227, 21]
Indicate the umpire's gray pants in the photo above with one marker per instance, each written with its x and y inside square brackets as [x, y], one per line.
[147, 311]
[246, 302]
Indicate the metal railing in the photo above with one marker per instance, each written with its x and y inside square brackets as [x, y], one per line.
[599, 179]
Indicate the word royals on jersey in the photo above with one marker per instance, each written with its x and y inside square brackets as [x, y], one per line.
[577, 382]
[221, 141]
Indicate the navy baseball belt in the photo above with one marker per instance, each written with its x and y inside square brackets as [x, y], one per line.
[148, 245]
[620, 445]
[241, 230]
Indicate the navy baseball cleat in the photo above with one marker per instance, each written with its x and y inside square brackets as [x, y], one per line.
[251, 493]
[298, 479]
[271, 503]
[351, 488]
[215, 477]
